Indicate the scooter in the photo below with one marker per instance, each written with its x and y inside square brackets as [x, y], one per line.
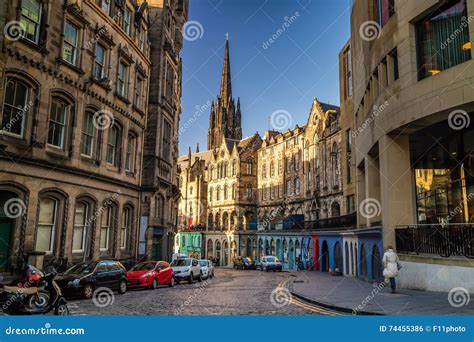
[38, 295]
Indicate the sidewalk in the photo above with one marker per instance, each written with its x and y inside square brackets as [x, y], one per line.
[350, 294]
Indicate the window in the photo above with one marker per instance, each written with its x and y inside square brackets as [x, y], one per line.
[30, 20]
[218, 193]
[335, 165]
[99, 62]
[211, 192]
[280, 167]
[112, 145]
[350, 204]
[249, 191]
[297, 186]
[225, 192]
[297, 161]
[130, 155]
[15, 108]
[249, 166]
[126, 22]
[234, 191]
[169, 81]
[166, 146]
[384, 9]
[443, 39]
[288, 164]
[57, 123]
[349, 155]
[394, 57]
[190, 190]
[264, 171]
[348, 70]
[138, 92]
[121, 79]
[105, 228]
[80, 226]
[105, 5]
[70, 43]
[47, 222]
[126, 227]
[288, 187]
[88, 135]
[234, 167]
[272, 169]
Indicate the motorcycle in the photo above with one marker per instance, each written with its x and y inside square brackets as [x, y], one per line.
[38, 295]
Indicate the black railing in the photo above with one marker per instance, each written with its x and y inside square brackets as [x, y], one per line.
[340, 222]
[444, 240]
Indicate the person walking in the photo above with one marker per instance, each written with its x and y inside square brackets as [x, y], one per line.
[392, 266]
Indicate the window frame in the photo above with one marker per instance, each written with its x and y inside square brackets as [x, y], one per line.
[27, 105]
[65, 42]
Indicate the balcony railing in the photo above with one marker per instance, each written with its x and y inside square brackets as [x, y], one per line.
[340, 222]
[444, 240]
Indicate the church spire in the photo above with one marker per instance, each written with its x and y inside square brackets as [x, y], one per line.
[226, 87]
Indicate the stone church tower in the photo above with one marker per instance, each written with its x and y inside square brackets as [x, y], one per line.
[225, 116]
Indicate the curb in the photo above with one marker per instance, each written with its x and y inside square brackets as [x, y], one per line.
[335, 307]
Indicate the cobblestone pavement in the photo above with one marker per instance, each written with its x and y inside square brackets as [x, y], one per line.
[230, 292]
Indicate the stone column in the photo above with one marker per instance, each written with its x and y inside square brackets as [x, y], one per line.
[396, 185]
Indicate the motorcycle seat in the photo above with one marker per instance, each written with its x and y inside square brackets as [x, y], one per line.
[21, 290]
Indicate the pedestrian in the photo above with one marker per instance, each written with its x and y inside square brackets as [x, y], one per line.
[392, 266]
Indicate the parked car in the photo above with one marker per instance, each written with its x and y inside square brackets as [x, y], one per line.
[150, 274]
[244, 263]
[82, 279]
[271, 262]
[186, 269]
[206, 268]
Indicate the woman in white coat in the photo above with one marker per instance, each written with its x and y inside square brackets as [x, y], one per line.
[391, 265]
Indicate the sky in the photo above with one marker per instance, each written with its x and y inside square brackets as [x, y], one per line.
[283, 53]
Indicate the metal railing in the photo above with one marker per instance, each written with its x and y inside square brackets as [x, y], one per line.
[444, 240]
[340, 222]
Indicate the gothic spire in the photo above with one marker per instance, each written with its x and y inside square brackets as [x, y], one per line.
[226, 87]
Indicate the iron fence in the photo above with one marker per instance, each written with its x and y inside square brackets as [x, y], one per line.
[444, 240]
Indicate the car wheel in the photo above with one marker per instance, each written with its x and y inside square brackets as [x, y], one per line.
[122, 287]
[200, 277]
[87, 291]
[190, 279]
[154, 284]
[172, 282]
[62, 310]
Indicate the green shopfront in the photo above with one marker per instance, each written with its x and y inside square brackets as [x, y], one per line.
[189, 243]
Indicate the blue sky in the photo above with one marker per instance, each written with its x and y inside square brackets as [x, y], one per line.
[286, 74]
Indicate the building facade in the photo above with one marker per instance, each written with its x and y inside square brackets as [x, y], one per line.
[159, 196]
[74, 85]
[411, 102]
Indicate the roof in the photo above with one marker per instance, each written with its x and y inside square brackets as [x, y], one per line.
[203, 155]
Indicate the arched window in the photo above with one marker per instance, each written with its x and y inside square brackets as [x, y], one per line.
[225, 192]
[190, 190]
[126, 228]
[297, 185]
[89, 136]
[131, 152]
[272, 169]
[82, 213]
[59, 120]
[160, 209]
[218, 193]
[31, 19]
[249, 166]
[233, 191]
[211, 193]
[234, 167]
[16, 105]
[249, 191]
[47, 224]
[113, 145]
[106, 227]
[211, 173]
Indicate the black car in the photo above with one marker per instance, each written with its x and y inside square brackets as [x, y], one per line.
[82, 279]
[244, 263]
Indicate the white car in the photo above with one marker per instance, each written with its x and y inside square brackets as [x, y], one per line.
[270, 263]
[207, 268]
[186, 269]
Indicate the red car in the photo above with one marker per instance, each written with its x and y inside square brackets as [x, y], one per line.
[150, 274]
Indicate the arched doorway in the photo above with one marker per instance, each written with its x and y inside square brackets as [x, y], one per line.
[218, 252]
[338, 261]
[346, 258]
[225, 246]
[210, 249]
[363, 262]
[376, 265]
[11, 208]
[325, 257]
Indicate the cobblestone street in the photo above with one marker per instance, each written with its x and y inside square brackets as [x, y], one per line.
[230, 292]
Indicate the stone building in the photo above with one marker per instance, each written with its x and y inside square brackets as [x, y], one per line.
[74, 85]
[160, 193]
[412, 106]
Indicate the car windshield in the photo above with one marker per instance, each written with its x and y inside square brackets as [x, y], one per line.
[181, 262]
[272, 259]
[203, 263]
[83, 268]
[144, 266]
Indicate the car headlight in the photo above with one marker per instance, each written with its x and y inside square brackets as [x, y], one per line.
[146, 275]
